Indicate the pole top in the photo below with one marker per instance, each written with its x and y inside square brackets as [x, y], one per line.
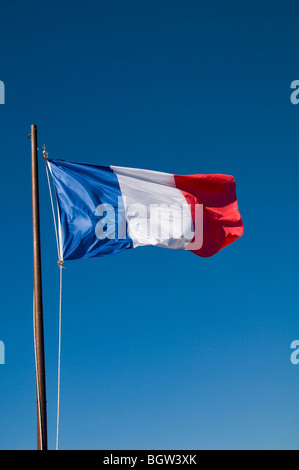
[33, 131]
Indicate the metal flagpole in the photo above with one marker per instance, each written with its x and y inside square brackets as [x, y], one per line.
[42, 439]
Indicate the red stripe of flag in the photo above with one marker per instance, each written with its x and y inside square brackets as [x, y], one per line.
[222, 222]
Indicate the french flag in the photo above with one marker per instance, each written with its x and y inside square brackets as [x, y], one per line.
[107, 209]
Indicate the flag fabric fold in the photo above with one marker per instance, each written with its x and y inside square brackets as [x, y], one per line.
[107, 209]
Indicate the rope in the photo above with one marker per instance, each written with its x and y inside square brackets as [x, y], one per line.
[61, 267]
[59, 355]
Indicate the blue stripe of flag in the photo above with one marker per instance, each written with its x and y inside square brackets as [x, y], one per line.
[80, 189]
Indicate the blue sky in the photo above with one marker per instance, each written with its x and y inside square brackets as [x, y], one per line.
[161, 349]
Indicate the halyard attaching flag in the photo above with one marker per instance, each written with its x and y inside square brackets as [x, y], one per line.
[108, 209]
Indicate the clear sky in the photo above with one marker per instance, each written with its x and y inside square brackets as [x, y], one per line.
[161, 349]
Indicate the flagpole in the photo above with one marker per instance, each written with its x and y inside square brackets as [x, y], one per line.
[42, 443]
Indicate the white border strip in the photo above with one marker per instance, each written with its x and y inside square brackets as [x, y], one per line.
[58, 217]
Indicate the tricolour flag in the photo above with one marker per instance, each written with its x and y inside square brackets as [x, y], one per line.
[108, 209]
